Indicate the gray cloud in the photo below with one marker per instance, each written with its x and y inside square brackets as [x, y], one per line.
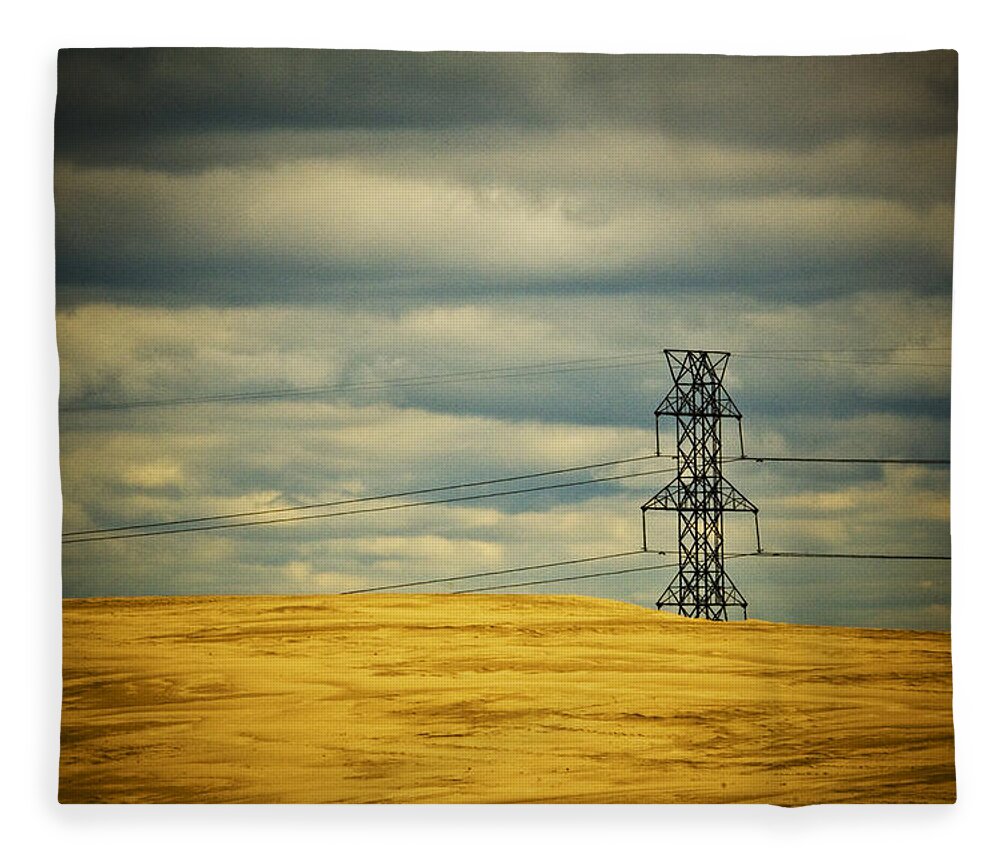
[304, 229]
[246, 220]
[114, 104]
[114, 354]
[227, 177]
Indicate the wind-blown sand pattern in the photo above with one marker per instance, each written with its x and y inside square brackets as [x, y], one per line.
[432, 698]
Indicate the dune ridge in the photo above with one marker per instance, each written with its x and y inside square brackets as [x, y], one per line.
[492, 699]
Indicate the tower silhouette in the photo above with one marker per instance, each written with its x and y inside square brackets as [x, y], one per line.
[699, 493]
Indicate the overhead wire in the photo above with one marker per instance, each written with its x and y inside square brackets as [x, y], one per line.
[859, 460]
[765, 357]
[328, 514]
[575, 577]
[484, 374]
[849, 350]
[165, 526]
[875, 556]
[608, 362]
[360, 499]
[581, 576]
[509, 570]
[566, 578]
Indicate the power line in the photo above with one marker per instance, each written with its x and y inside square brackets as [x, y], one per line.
[489, 374]
[216, 526]
[439, 579]
[567, 562]
[442, 488]
[160, 524]
[850, 350]
[580, 576]
[877, 556]
[868, 460]
[565, 578]
[484, 374]
[765, 357]
[675, 564]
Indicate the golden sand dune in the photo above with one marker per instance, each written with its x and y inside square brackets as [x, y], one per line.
[428, 698]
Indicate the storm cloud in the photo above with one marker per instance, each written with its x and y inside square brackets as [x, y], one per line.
[114, 103]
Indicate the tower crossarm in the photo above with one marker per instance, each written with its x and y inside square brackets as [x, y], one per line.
[689, 400]
[697, 495]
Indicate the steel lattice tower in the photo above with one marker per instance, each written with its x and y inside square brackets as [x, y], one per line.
[700, 494]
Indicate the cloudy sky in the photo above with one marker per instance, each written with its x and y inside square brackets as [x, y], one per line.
[352, 223]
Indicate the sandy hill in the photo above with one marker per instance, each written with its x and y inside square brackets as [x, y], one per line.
[475, 698]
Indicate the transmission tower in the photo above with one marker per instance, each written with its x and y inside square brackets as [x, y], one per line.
[699, 493]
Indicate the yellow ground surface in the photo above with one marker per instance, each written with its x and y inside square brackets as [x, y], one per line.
[392, 698]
